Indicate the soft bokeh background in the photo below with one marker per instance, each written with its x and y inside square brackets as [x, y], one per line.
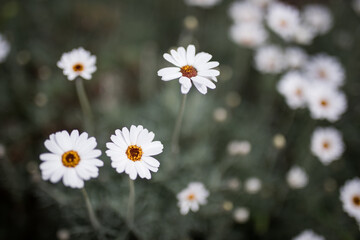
[129, 37]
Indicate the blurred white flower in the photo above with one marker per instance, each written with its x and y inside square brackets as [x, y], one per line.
[304, 35]
[252, 185]
[356, 6]
[220, 114]
[77, 63]
[234, 183]
[269, 59]
[239, 148]
[297, 177]
[131, 152]
[327, 144]
[325, 102]
[72, 157]
[295, 57]
[325, 69]
[241, 214]
[262, 3]
[279, 141]
[293, 87]
[248, 34]
[350, 198]
[192, 197]
[190, 68]
[4, 48]
[283, 19]
[202, 3]
[308, 235]
[318, 17]
[246, 12]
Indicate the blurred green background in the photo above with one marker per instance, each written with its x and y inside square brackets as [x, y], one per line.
[129, 37]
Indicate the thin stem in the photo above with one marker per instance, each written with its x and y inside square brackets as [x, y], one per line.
[176, 133]
[131, 203]
[94, 222]
[85, 105]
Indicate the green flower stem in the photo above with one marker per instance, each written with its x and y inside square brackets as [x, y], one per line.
[85, 105]
[94, 222]
[176, 133]
[131, 203]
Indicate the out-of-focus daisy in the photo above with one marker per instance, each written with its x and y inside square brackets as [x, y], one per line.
[308, 235]
[241, 214]
[293, 87]
[326, 69]
[297, 177]
[252, 185]
[239, 148]
[350, 198]
[283, 19]
[190, 68]
[202, 3]
[262, 3]
[318, 17]
[327, 144]
[246, 12]
[269, 59]
[325, 102]
[295, 57]
[4, 48]
[192, 197]
[72, 158]
[77, 63]
[304, 35]
[131, 152]
[248, 34]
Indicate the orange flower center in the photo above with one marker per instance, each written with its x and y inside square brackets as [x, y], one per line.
[298, 92]
[188, 71]
[191, 197]
[78, 67]
[324, 103]
[322, 74]
[356, 200]
[70, 159]
[326, 145]
[134, 153]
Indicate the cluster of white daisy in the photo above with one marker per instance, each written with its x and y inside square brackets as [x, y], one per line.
[286, 21]
[4, 48]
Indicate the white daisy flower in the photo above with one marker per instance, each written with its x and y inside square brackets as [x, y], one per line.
[72, 157]
[246, 12]
[350, 198]
[248, 34]
[308, 235]
[192, 197]
[297, 177]
[295, 57]
[304, 35]
[269, 59]
[77, 63]
[283, 19]
[252, 185]
[293, 87]
[326, 69]
[241, 214]
[325, 102]
[4, 48]
[262, 3]
[190, 68]
[131, 152]
[318, 17]
[202, 3]
[327, 144]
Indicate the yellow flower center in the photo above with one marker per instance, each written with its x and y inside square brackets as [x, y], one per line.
[188, 71]
[78, 67]
[298, 92]
[134, 153]
[322, 73]
[356, 200]
[191, 197]
[326, 145]
[324, 103]
[70, 159]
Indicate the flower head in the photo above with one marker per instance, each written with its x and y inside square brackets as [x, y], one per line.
[318, 17]
[192, 197]
[293, 87]
[77, 63]
[4, 48]
[246, 12]
[269, 59]
[72, 158]
[295, 57]
[327, 144]
[297, 177]
[350, 198]
[190, 68]
[308, 235]
[253, 185]
[241, 214]
[131, 152]
[304, 34]
[248, 34]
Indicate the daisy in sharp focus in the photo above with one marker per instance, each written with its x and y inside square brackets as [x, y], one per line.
[327, 144]
[308, 235]
[293, 87]
[269, 59]
[4, 48]
[132, 152]
[190, 69]
[192, 197]
[350, 198]
[72, 158]
[77, 63]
